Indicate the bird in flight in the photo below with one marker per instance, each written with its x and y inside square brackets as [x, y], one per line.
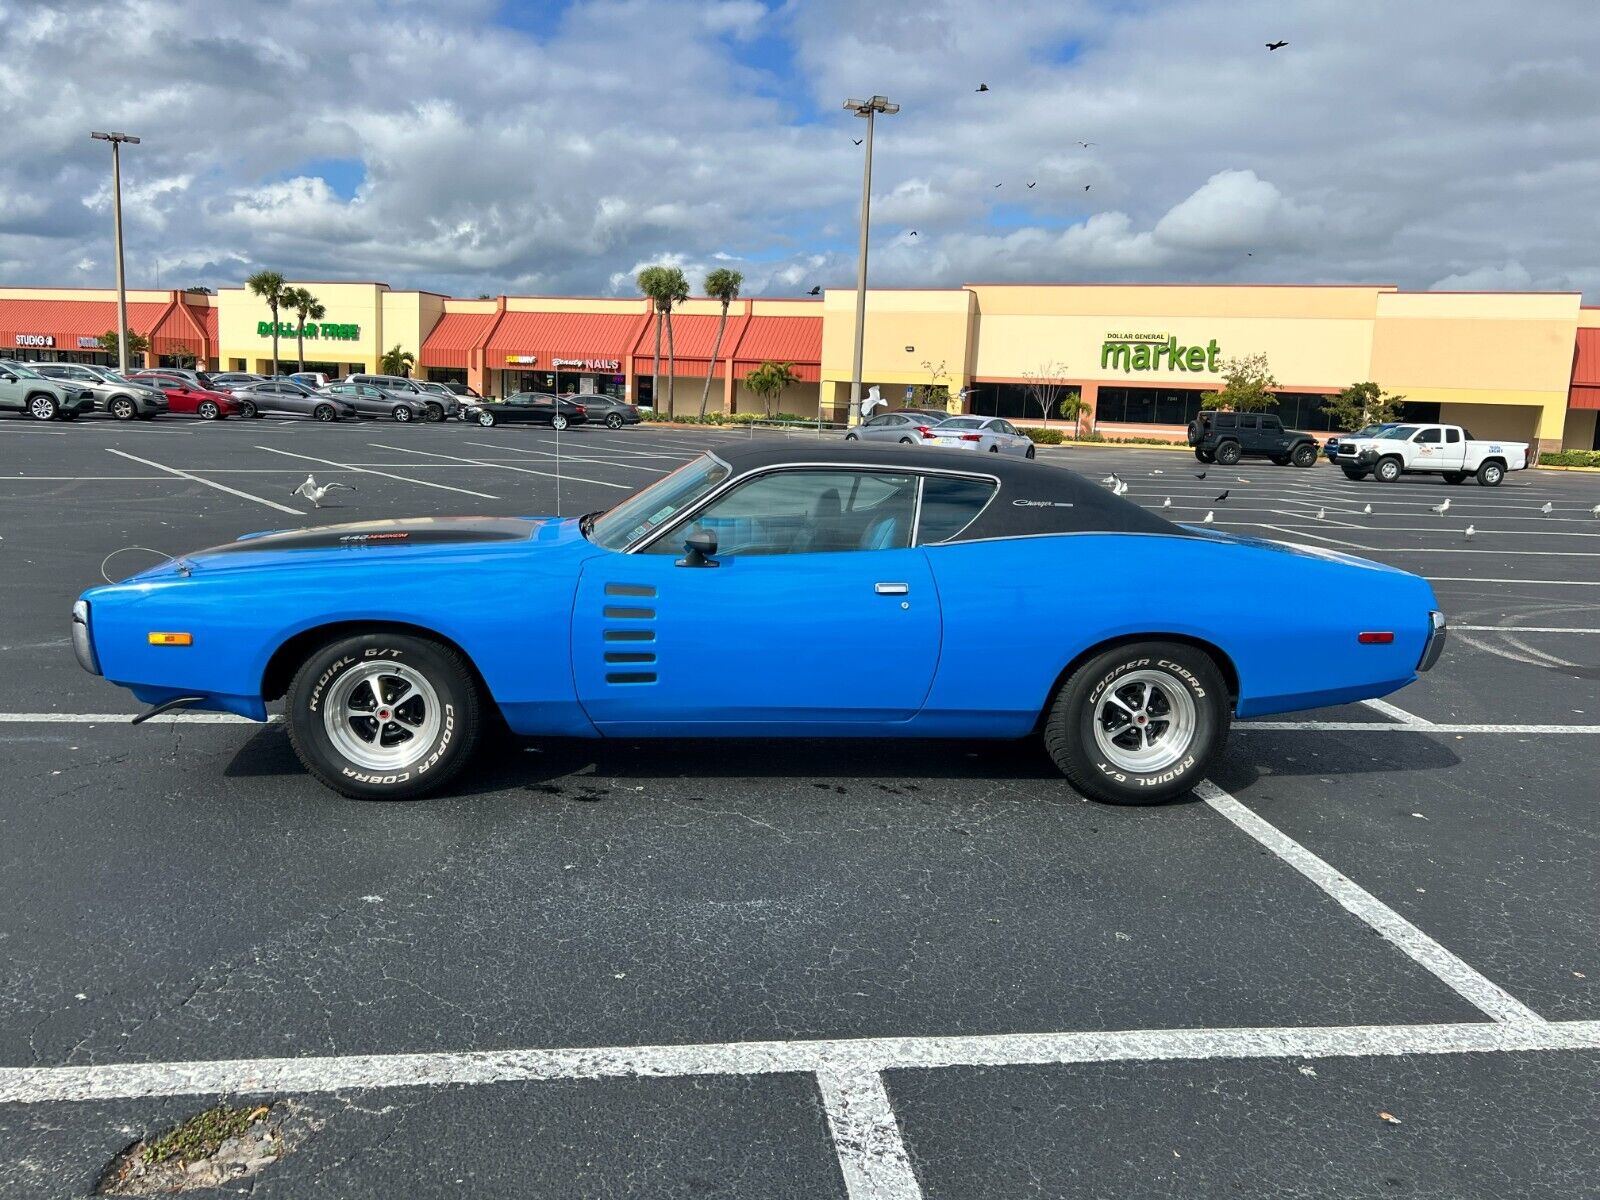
[1441, 509]
[314, 491]
[855, 141]
[982, 87]
[815, 291]
[1595, 511]
[913, 233]
[999, 185]
[1276, 45]
[1086, 187]
[1086, 145]
[1034, 183]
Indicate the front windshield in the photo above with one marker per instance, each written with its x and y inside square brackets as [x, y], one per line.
[19, 369]
[619, 527]
[1399, 433]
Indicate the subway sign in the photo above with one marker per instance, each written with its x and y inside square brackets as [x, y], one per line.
[1129, 352]
[327, 331]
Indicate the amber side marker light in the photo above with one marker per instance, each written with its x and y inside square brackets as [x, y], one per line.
[187, 639]
[1375, 639]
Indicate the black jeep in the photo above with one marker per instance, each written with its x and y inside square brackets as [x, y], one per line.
[1226, 437]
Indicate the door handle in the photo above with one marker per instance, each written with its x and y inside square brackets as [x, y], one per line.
[891, 589]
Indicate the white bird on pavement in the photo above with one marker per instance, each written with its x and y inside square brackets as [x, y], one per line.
[1471, 531]
[314, 492]
[1441, 509]
[1209, 518]
[1167, 503]
[1241, 479]
[1322, 514]
[1109, 480]
[1367, 511]
[1120, 489]
[1595, 511]
[1158, 471]
[1547, 508]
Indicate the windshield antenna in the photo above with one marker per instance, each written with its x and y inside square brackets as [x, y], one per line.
[557, 425]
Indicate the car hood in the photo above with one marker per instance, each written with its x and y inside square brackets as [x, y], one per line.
[363, 543]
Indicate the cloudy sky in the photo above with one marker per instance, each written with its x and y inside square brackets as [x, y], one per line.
[481, 146]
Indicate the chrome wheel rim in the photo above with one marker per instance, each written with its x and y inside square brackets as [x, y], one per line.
[382, 716]
[485, 418]
[559, 421]
[1145, 722]
[208, 410]
[402, 414]
[42, 409]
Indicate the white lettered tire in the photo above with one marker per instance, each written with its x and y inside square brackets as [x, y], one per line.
[384, 716]
[1139, 723]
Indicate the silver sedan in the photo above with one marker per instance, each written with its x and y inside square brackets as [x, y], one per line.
[908, 425]
[993, 434]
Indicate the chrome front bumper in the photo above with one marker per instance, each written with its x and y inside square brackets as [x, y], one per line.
[82, 639]
[1438, 634]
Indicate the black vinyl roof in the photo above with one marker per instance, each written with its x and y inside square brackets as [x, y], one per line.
[1033, 499]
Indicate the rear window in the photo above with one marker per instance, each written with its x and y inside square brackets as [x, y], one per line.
[948, 506]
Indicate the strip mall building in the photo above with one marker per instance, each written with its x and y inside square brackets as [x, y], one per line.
[1510, 365]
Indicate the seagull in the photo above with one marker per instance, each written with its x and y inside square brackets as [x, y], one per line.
[982, 87]
[1158, 471]
[1167, 503]
[314, 491]
[1547, 508]
[1276, 45]
[1035, 183]
[999, 185]
[855, 141]
[1086, 187]
[1366, 511]
[1202, 475]
[1222, 497]
[1109, 480]
[1209, 518]
[816, 291]
[1086, 145]
[1441, 509]
[1120, 489]
[1595, 511]
[1322, 514]
[913, 233]
[1471, 531]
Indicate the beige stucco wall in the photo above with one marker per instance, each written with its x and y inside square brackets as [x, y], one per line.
[359, 304]
[1578, 431]
[936, 324]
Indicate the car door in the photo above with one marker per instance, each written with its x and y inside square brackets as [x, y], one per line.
[12, 392]
[814, 615]
[1427, 450]
[1453, 453]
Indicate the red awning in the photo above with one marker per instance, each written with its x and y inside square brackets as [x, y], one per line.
[1585, 391]
[695, 336]
[64, 322]
[586, 341]
[454, 338]
[177, 334]
[796, 340]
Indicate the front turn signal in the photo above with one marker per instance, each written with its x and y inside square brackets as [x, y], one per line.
[171, 639]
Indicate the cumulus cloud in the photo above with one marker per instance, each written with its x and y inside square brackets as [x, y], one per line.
[559, 156]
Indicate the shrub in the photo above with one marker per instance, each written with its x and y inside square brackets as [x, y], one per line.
[1570, 458]
[1044, 437]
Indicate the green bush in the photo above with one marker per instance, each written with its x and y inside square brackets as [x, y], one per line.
[722, 418]
[1570, 458]
[1044, 437]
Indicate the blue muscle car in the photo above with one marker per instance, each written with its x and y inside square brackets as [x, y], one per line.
[749, 594]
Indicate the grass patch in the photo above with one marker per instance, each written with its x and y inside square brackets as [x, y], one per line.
[201, 1135]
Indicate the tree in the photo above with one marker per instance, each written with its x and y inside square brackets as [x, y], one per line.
[722, 284]
[768, 381]
[1072, 407]
[1247, 385]
[396, 361]
[1360, 405]
[200, 289]
[269, 286]
[936, 392]
[137, 342]
[665, 286]
[1047, 387]
[304, 306]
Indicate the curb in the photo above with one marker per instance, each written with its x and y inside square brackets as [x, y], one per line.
[1554, 467]
[1114, 446]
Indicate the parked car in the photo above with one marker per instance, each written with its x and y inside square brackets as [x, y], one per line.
[370, 401]
[440, 406]
[24, 390]
[535, 408]
[462, 391]
[1447, 450]
[188, 398]
[996, 435]
[123, 398]
[287, 396]
[907, 426]
[312, 379]
[627, 633]
[196, 379]
[609, 411]
[1331, 446]
[227, 381]
[1226, 437]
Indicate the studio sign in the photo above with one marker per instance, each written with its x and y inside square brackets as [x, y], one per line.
[328, 331]
[1145, 352]
[44, 340]
[587, 364]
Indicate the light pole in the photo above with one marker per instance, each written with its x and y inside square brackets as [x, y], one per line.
[868, 109]
[116, 140]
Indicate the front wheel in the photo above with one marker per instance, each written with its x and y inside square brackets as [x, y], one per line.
[558, 422]
[486, 419]
[1490, 474]
[208, 410]
[247, 408]
[435, 411]
[401, 413]
[43, 408]
[1030, 453]
[124, 409]
[324, 412]
[995, 448]
[1388, 470]
[613, 420]
[383, 716]
[1140, 723]
[1304, 455]
[1229, 453]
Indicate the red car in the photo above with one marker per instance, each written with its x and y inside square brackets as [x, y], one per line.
[184, 396]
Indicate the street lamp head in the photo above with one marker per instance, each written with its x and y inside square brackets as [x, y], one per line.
[114, 137]
[878, 104]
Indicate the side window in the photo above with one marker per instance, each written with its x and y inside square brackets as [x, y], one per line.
[879, 422]
[1249, 422]
[1271, 423]
[1453, 436]
[1226, 420]
[949, 505]
[806, 512]
[1429, 437]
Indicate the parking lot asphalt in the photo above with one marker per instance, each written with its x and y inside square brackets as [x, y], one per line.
[864, 970]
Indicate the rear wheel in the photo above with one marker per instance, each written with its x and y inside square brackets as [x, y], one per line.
[1140, 723]
[1031, 452]
[908, 441]
[1304, 455]
[1491, 473]
[401, 413]
[486, 418]
[613, 420]
[42, 407]
[124, 409]
[558, 422]
[324, 412]
[1229, 453]
[383, 716]
[1388, 470]
[208, 410]
[1355, 473]
[851, 437]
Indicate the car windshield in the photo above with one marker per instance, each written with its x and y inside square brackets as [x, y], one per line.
[620, 527]
[1368, 431]
[19, 369]
[1399, 433]
[963, 423]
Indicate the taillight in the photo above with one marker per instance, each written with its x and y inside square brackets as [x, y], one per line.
[924, 431]
[972, 437]
[1375, 639]
[580, 408]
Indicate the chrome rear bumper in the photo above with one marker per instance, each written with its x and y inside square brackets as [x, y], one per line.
[1438, 634]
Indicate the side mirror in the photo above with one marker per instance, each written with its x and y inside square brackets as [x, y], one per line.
[8, 376]
[698, 549]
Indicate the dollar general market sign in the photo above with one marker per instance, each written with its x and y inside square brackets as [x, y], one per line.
[1129, 352]
[327, 331]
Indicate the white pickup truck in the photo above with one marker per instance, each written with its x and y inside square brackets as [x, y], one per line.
[1447, 450]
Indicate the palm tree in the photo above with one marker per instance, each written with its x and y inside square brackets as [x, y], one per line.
[269, 286]
[722, 284]
[768, 381]
[304, 306]
[665, 286]
[396, 361]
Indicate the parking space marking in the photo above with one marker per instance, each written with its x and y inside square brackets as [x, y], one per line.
[210, 483]
[1521, 629]
[170, 718]
[479, 462]
[1383, 727]
[607, 462]
[1477, 989]
[332, 1073]
[1534, 582]
[1398, 714]
[866, 1137]
[443, 487]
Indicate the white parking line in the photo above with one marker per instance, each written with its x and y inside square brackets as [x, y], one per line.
[328, 462]
[479, 462]
[210, 483]
[866, 1137]
[1534, 582]
[1385, 727]
[1398, 714]
[1522, 629]
[1479, 991]
[170, 718]
[626, 466]
[332, 1073]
